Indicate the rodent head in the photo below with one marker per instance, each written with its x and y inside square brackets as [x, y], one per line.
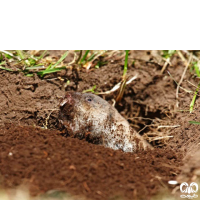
[85, 111]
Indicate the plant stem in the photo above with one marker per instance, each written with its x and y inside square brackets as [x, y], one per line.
[79, 57]
[126, 63]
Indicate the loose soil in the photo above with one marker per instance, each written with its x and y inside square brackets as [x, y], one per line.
[34, 149]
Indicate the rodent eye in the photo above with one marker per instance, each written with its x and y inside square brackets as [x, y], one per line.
[89, 99]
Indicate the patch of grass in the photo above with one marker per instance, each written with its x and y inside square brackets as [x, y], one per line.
[30, 64]
[52, 68]
[89, 57]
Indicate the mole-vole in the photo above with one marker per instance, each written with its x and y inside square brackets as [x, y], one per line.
[88, 115]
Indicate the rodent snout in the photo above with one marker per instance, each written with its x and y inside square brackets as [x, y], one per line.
[67, 99]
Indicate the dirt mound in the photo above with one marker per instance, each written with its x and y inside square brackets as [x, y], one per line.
[47, 160]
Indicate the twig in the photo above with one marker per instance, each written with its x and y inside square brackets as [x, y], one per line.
[193, 56]
[116, 87]
[160, 138]
[187, 91]
[168, 126]
[167, 61]
[181, 56]
[192, 84]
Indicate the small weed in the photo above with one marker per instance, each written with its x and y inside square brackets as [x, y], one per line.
[168, 53]
[92, 90]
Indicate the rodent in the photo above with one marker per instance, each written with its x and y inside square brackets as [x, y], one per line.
[88, 115]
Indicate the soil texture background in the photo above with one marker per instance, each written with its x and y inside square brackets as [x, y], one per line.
[35, 151]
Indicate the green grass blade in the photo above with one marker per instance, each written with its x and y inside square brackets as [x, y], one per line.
[194, 98]
[126, 63]
[42, 55]
[3, 63]
[20, 54]
[1, 56]
[29, 75]
[6, 69]
[91, 57]
[194, 122]
[42, 73]
[60, 60]
[84, 57]
[196, 67]
[36, 67]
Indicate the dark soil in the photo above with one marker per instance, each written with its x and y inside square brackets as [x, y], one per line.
[47, 160]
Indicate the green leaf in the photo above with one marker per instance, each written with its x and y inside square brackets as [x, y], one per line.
[42, 55]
